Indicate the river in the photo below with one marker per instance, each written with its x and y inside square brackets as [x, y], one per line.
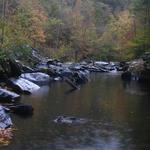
[118, 114]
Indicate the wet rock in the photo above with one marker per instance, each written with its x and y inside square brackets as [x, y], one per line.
[57, 79]
[38, 77]
[101, 67]
[15, 68]
[54, 71]
[101, 63]
[54, 62]
[5, 120]
[70, 120]
[123, 66]
[105, 66]
[79, 78]
[21, 85]
[7, 96]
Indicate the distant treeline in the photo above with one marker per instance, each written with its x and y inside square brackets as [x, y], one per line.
[75, 29]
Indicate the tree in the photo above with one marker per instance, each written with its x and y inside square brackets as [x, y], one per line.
[118, 34]
[141, 12]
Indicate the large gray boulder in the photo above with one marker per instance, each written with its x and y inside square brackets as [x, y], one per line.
[8, 96]
[37, 78]
[21, 85]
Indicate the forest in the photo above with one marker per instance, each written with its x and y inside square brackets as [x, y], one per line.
[75, 29]
[74, 74]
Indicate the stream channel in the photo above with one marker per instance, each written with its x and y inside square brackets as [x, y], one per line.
[118, 115]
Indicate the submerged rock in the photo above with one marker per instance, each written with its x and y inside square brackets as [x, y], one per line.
[7, 96]
[5, 120]
[21, 85]
[70, 120]
[38, 77]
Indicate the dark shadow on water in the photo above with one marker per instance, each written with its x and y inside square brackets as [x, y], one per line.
[70, 91]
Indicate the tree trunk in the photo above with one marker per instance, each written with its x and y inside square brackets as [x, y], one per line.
[3, 21]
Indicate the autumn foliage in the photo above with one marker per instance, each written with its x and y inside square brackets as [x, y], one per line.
[77, 29]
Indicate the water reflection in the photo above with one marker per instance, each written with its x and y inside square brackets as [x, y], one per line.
[120, 118]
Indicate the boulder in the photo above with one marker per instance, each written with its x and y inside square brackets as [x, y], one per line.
[9, 68]
[37, 78]
[20, 85]
[7, 96]
[139, 69]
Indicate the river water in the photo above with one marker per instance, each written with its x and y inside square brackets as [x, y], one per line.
[118, 114]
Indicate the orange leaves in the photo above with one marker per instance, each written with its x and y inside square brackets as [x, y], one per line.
[37, 17]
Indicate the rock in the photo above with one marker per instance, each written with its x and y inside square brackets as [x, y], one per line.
[5, 120]
[54, 62]
[21, 85]
[146, 56]
[15, 68]
[57, 79]
[106, 67]
[37, 78]
[123, 66]
[70, 120]
[139, 69]
[9, 68]
[7, 96]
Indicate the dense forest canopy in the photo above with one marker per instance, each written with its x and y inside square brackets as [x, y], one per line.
[75, 29]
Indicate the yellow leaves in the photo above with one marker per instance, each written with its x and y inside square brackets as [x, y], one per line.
[37, 17]
[119, 33]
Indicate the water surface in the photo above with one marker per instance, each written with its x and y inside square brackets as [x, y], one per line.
[119, 115]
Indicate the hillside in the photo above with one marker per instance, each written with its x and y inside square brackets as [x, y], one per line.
[76, 29]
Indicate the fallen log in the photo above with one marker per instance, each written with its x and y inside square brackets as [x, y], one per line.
[71, 83]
